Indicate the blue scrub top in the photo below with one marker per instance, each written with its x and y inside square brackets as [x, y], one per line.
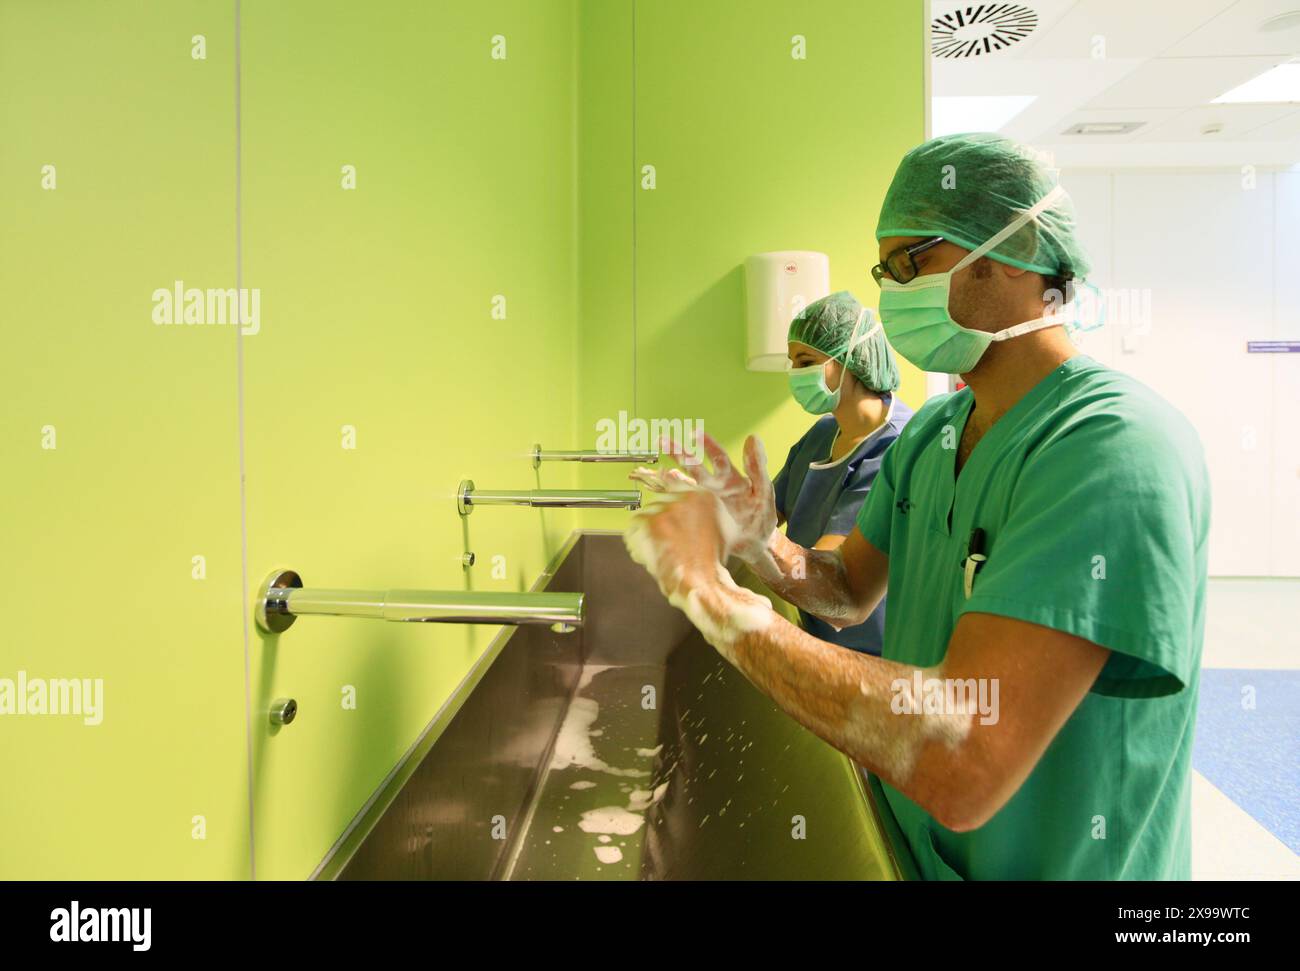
[819, 497]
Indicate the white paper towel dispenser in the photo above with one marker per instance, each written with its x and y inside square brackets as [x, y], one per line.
[779, 285]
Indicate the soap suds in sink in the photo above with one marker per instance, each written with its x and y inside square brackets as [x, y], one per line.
[573, 745]
[608, 854]
[641, 799]
[575, 748]
[611, 819]
[589, 672]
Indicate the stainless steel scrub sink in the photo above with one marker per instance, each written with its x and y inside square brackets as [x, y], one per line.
[627, 750]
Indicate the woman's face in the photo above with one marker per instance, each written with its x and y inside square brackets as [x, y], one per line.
[802, 355]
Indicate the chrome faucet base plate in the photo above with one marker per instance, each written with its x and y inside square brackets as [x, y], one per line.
[272, 615]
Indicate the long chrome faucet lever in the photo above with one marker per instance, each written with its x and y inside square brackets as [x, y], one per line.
[282, 599]
[468, 496]
[541, 455]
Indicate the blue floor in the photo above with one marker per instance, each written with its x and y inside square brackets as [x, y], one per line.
[1252, 755]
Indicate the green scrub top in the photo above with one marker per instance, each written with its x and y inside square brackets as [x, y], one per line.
[1094, 499]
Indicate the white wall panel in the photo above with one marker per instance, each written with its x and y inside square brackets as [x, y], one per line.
[1091, 192]
[1200, 246]
[1285, 534]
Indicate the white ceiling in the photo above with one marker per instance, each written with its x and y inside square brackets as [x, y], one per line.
[1159, 62]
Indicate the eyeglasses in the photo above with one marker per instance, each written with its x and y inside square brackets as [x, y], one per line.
[900, 264]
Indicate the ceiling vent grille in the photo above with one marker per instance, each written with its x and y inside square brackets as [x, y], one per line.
[980, 29]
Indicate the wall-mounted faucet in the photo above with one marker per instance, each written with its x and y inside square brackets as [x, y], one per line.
[283, 599]
[590, 455]
[468, 496]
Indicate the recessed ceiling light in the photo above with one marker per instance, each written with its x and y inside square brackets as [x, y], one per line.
[1103, 128]
[1277, 84]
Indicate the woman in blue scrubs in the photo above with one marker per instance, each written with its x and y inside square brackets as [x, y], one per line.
[829, 471]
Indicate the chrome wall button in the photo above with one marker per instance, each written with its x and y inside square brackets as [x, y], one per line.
[283, 711]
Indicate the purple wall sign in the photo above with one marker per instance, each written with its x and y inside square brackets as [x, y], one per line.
[1273, 347]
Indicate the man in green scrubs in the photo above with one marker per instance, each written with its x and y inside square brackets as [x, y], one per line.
[1042, 537]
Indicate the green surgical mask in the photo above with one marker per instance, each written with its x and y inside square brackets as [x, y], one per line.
[916, 319]
[808, 384]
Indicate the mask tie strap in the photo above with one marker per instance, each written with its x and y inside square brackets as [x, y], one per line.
[1042, 204]
[854, 341]
[1048, 320]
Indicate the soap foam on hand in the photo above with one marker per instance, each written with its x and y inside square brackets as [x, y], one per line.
[724, 612]
[746, 507]
[734, 611]
[731, 613]
[668, 480]
[749, 503]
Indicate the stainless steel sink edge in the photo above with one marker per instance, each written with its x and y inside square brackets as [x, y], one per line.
[341, 852]
[474, 796]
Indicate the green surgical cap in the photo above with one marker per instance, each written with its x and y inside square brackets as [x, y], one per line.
[827, 324]
[966, 188]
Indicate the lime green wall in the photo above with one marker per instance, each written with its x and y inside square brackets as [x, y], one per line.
[606, 348]
[99, 531]
[378, 304]
[475, 177]
[375, 313]
[753, 150]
